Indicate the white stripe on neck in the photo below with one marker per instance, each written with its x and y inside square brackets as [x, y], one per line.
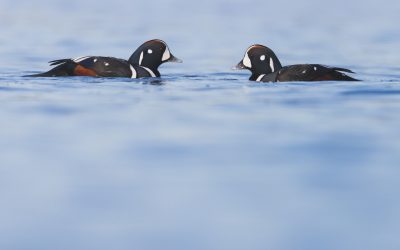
[260, 78]
[134, 73]
[150, 71]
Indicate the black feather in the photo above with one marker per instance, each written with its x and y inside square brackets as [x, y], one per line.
[60, 61]
[344, 70]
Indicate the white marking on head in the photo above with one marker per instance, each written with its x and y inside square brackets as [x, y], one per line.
[95, 60]
[134, 73]
[315, 68]
[260, 78]
[247, 61]
[262, 58]
[271, 64]
[141, 58]
[106, 63]
[167, 54]
[304, 71]
[150, 51]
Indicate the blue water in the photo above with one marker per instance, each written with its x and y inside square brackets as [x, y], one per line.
[201, 158]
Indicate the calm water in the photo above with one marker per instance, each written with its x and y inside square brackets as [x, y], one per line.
[202, 158]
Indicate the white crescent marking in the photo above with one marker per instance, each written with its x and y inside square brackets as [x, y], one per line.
[247, 61]
[134, 73]
[166, 55]
[141, 58]
[80, 59]
[271, 64]
[150, 72]
[260, 78]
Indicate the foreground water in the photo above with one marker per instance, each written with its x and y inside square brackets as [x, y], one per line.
[201, 158]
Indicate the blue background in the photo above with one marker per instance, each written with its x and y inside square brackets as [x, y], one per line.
[205, 159]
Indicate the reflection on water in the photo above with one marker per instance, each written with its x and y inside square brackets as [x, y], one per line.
[201, 158]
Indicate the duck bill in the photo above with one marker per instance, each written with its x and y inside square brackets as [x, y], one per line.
[174, 59]
[239, 66]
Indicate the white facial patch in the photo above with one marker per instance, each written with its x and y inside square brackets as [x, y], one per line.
[167, 54]
[150, 51]
[247, 61]
[271, 64]
[315, 68]
[106, 64]
[141, 58]
[262, 58]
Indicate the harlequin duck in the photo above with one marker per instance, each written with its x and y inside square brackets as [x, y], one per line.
[266, 67]
[144, 62]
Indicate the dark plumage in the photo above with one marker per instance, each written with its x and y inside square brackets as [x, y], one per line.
[144, 62]
[266, 67]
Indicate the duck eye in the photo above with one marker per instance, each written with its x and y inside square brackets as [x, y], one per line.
[150, 51]
[262, 58]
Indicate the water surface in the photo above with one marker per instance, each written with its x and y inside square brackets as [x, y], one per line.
[201, 158]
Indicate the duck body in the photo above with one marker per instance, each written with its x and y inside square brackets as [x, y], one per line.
[305, 73]
[266, 67]
[144, 62]
[97, 66]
